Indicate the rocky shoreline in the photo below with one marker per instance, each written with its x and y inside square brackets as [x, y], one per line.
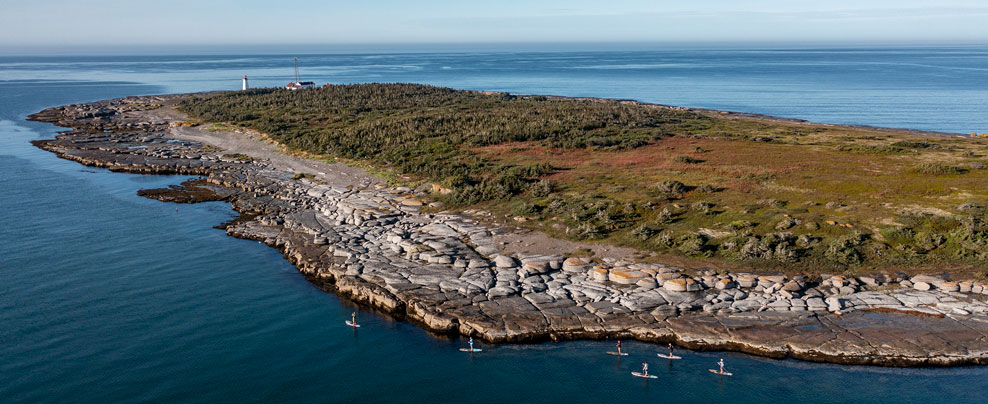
[449, 274]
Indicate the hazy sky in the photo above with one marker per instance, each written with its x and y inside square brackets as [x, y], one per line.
[190, 22]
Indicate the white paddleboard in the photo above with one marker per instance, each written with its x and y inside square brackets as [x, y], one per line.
[470, 350]
[644, 376]
[351, 324]
[618, 353]
[669, 356]
[717, 372]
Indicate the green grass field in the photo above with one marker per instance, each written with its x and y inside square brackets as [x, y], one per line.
[702, 186]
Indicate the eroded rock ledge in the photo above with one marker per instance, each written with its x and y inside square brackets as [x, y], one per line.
[445, 272]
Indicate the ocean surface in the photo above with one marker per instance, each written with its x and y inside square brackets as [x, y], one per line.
[107, 297]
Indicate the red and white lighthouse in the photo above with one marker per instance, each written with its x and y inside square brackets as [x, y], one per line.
[245, 83]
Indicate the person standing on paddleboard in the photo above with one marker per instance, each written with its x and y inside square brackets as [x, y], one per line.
[670, 349]
[619, 347]
[471, 343]
[353, 318]
[645, 369]
[721, 364]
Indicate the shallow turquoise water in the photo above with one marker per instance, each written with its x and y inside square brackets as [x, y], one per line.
[109, 297]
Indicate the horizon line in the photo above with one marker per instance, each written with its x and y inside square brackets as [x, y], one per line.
[161, 49]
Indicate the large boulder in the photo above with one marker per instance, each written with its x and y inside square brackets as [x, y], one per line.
[574, 265]
[708, 281]
[847, 290]
[747, 281]
[477, 263]
[682, 285]
[624, 276]
[504, 261]
[932, 280]
[965, 287]
[834, 304]
[676, 285]
[815, 304]
[870, 281]
[792, 286]
[767, 281]
[533, 268]
[948, 286]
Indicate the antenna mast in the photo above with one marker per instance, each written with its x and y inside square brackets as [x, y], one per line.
[296, 69]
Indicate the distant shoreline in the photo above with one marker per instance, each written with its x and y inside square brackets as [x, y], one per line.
[751, 115]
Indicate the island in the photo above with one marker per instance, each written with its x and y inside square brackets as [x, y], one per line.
[520, 218]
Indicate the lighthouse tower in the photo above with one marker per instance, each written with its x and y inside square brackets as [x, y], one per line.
[245, 83]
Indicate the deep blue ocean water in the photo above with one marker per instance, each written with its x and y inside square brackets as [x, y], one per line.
[108, 297]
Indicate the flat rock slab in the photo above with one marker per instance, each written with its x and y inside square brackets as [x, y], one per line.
[855, 338]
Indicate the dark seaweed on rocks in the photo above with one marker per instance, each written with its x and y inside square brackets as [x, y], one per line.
[193, 191]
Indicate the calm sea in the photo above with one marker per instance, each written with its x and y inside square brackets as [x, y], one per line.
[106, 297]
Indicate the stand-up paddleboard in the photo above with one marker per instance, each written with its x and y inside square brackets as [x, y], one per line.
[471, 350]
[618, 353]
[352, 324]
[717, 372]
[644, 376]
[664, 356]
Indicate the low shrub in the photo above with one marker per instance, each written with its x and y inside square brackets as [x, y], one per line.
[687, 160]
[932, 168]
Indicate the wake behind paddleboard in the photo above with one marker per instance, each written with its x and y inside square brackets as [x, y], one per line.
[470, 350]
[644, 376]
[618, 353]
[669, 356]
[351, 324]
[717, 372]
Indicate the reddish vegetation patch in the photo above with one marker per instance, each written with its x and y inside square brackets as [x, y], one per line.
[722, 157]
[744, 187]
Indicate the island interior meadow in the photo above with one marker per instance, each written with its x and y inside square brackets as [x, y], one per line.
[697, 188]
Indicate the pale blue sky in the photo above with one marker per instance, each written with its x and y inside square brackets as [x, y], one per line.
[201, 22]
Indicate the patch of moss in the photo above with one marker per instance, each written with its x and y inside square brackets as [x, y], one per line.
[238, 156]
